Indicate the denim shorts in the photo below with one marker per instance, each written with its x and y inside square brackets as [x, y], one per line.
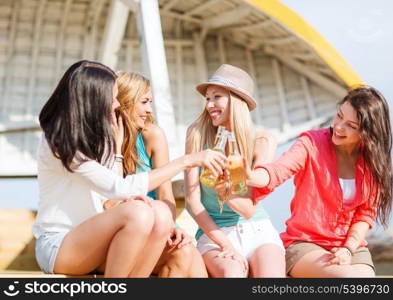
[46, 248]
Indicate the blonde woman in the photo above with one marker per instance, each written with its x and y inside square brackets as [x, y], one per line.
[145, 148]
[240, 241]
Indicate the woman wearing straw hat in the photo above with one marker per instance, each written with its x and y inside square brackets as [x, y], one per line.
[240, 241]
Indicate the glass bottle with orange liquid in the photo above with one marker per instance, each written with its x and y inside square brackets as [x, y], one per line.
[207, 177]
[236, 167]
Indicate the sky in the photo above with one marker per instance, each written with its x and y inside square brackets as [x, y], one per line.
[360, 30]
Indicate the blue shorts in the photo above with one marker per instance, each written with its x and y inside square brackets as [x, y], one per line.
[46, 248]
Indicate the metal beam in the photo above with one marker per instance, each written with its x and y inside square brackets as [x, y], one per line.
[309, 100]
[221, 49]
[315, 77]
[129, 56]
[226, 18]
[34, 56]
[239, 38]
[280, 41]
[132, 4]
[285, 125]
[251, 67]
[8, 62]
[114, 32]
[202, 7]
[60, 39]
[181, 16]
[15, 127]
[303, 55]
[180, 84]
[253, 27]
[169, 5]
[91, 28]
[200, 60]
[167, 42]
[155, 65]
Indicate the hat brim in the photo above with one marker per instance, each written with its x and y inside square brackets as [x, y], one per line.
[251, 103]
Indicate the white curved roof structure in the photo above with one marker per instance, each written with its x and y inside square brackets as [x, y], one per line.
[299, 76]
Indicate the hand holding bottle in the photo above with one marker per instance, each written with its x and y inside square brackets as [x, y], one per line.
[236, 164]
[212, 160]
[207, 177]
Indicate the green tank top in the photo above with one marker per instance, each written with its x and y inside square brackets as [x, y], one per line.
[228, 217]
[145, 163]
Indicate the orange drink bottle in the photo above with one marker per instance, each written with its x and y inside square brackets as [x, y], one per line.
[207, 177]
[236, 167]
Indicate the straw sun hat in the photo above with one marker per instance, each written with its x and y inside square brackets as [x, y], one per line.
[235, 80]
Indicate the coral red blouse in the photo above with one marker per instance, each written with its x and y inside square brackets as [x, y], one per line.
[317, 211]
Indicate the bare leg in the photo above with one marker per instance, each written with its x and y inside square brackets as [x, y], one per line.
[107, 236]
[181, 263]
[223, 267]
[314, 264]
[198, 268]
[157, 240]
[267, 261]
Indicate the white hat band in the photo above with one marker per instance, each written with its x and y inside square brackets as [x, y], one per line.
[227, 82]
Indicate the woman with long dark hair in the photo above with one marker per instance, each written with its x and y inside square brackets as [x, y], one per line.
[343, 178]
[77, 159]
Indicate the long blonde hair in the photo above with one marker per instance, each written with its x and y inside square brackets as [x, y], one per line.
[132, 86]
[202, 131]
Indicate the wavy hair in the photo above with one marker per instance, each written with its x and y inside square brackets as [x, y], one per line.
[132, 86]
[375, 132]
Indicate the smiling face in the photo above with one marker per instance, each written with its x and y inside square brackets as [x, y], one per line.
[346, 126]
[217, 105]
[142, 109]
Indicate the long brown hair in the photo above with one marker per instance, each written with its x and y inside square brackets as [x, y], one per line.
[375, 132]
[77, 119]
[132, 86]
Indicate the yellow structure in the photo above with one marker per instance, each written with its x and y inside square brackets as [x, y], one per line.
[287, 17]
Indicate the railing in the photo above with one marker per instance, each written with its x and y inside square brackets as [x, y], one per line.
[19, 127]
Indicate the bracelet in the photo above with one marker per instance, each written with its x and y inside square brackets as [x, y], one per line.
[119, 158]
[258, 167]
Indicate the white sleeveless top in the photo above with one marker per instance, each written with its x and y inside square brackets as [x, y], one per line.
[348, 187]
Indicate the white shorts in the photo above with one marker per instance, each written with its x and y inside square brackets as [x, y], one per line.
[46, 248]
[245, 237]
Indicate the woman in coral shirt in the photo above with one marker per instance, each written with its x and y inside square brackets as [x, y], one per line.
[343, 178]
